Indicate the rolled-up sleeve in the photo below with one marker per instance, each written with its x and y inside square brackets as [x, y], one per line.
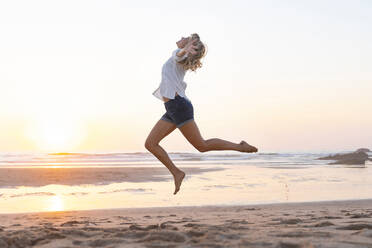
[176, 58]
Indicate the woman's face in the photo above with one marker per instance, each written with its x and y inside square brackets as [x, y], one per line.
[182, 42]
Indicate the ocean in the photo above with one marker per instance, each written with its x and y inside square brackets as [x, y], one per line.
[33, 182]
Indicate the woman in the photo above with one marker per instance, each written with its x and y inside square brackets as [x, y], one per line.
[179, 110]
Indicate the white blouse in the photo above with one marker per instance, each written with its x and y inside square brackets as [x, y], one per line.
[172, 75]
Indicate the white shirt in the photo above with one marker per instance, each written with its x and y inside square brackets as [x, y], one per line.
[172, 75]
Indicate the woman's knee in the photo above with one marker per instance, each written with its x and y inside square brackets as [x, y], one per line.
[149, 144]
[203, 147]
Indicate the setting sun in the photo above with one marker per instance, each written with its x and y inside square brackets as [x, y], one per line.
[56, 203]
[56, 133]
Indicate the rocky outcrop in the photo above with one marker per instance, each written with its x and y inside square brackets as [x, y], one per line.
[363, 150]
[358, 157]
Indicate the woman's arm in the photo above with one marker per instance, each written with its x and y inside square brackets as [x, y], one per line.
[181, 52]
[189, 48]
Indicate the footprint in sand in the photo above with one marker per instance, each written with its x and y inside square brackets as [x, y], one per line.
[301, 234]
[70, 223]
[77, 232]
[124, 218]
[132, 234]
[105, 242]
[126, 223]
[330, 217]
[196, 234]
[77, 242]
[193, 225]
[234, 221]
[294, 245]
[166, 236]
[246, 243]
[358, 226]
[361, 215]
[147, 228]
[291, 221]
[164, 225]
[365, 233]
[251, 209]
[323, 224]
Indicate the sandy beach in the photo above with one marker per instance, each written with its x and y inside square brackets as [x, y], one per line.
[318, 224]
[274, 200]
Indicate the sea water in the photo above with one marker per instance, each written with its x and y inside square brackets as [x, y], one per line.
[229, 178]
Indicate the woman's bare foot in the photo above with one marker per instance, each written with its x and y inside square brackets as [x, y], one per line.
[247, 147]
[178, 180]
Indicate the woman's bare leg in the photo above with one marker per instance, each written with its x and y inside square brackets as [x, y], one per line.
[191, 132]
[159, 131]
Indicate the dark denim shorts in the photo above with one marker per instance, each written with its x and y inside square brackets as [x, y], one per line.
[179, 111]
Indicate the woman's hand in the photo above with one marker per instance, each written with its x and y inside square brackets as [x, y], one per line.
[190, 47]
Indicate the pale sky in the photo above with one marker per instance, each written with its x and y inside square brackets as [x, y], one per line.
[282, 75]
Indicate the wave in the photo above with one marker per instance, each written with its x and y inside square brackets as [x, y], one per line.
[148, 159]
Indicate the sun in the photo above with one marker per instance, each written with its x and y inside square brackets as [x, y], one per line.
[56, 203]
[54, 133]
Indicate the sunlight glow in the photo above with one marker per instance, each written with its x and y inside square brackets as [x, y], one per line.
[302, 76]
[55, 203]
[55, 133]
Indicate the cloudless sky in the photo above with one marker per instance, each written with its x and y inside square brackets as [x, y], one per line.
[282, 75]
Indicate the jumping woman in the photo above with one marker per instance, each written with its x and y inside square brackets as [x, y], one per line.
[179, 110]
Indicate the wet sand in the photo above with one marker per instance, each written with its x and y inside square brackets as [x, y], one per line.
[37, 177]
[340, 224]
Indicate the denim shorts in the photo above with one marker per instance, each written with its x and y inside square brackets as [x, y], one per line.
[178, 111]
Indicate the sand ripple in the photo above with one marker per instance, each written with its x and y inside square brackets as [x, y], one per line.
[304, 225]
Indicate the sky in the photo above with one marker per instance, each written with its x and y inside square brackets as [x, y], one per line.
[283, 75]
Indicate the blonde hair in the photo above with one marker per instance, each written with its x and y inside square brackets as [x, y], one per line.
[192, 61]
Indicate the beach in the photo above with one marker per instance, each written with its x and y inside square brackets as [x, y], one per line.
[165, 124]
[336, 224]
[226, 200]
